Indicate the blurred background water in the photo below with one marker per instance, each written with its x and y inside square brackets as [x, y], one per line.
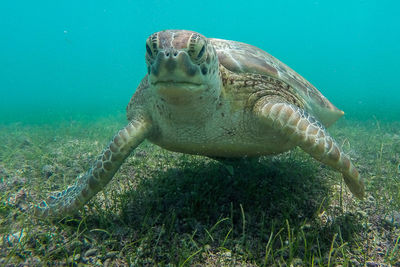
[82, 59]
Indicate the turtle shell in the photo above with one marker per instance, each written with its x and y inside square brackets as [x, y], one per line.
[244, 58]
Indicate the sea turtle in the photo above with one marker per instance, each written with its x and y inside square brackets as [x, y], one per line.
[217, 98]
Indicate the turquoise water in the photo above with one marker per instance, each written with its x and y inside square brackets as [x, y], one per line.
[75, 59]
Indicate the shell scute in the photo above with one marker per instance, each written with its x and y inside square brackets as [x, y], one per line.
[244, 58]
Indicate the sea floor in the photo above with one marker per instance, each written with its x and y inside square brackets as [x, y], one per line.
[165, 208]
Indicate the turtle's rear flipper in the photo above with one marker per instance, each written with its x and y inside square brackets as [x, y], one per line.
[312, 137]
[103, 169]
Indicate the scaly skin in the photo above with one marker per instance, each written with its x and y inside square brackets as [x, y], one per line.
[215, 98]
[98, 176]
[312, 137]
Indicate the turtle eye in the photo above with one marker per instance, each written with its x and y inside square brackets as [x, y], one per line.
[151, 45]
[197, 48]
[201, 53]
[149, 52]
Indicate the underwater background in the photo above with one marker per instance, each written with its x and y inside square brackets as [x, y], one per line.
[76, 60]
[67, 72]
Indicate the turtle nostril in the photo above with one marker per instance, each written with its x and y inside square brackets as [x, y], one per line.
[167, 54]
[175, 53]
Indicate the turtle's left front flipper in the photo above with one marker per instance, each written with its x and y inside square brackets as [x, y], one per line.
[312, 137]
[101, 172]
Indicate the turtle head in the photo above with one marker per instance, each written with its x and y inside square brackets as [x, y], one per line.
[181, 64]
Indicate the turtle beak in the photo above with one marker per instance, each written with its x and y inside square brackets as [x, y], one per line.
[173, 66]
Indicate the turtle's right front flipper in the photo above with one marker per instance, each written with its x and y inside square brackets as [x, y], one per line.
[103, 169]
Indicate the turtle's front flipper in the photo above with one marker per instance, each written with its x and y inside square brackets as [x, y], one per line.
[312, 137]
[103, 169]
